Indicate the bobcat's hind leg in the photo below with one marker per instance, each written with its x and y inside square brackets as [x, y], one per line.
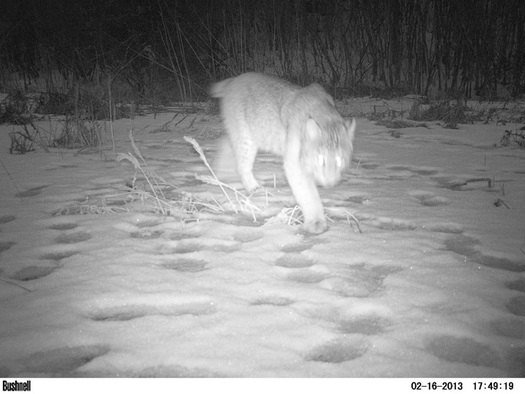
[224, 165]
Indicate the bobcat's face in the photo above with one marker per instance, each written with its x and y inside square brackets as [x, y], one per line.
[326, 165]
[326, 153]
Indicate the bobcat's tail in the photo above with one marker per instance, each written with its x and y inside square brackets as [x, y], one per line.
[220, 89]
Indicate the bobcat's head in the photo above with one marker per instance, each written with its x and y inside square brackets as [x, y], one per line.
[327, 150]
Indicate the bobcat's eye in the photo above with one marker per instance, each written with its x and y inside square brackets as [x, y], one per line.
[321, 159]
[339, 161]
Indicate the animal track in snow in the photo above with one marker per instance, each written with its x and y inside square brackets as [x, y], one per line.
[516, 359]
[149, 222]
[516, 305]
[181, 248]
[7, 218]
[518, 285]
[423, 171]
[367, 325]
[146, 233]
[63, 226]
[58, 255]
[116, 203]
[371, 324]
[33, 272]
[130, 312]
[462, 244]
[353, 281]
[273, 300]
[463, 183]
[359, 284]
[389, 224]
[248, 235]
[399, 168]
[462, 350]
[145, 227]
[72, 238]
[338, 350]
[178, 235]
[362, 200]
[368, 165]
[498, 263]
[358, 281]
[6, 245]
[465, 246]
[35, 191]
[349, 321]
[296, 247]
[164, 371]
[512, 328]
[190, 246]
[306, 244]
[383, 271]
[62, 361]
[306, 276]
[294, 261]
[448, 228]
[186, 265]
[396, 225]
[429, 199]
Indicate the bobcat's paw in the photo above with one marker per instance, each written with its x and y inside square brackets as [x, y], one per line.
[317, 226]
[252, 187]
[250, 183]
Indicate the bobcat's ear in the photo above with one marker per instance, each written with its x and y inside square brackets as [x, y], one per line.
[313, 131]
[350, 128]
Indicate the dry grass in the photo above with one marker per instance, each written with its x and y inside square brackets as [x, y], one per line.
[150, 192]
[242, 202]
[443, 111]
[79, 133]
[294, 216]
[513, 137]
[157, 192]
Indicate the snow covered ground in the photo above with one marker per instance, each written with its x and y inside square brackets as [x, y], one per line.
[433, 286]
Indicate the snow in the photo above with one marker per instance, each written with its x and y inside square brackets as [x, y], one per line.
[433, 286]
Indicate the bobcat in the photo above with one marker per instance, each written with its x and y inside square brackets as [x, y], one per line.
[299, 124]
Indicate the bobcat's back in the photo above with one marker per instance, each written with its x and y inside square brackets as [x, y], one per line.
[251, 108]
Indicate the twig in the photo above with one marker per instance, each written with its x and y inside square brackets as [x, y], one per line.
[10, 177]
[500, 202]
[348, 216]
[479, 180]
[15, 283]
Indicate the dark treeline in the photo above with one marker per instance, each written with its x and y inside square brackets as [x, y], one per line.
[156, 50]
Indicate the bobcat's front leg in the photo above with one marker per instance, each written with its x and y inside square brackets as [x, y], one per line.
[307, 196]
